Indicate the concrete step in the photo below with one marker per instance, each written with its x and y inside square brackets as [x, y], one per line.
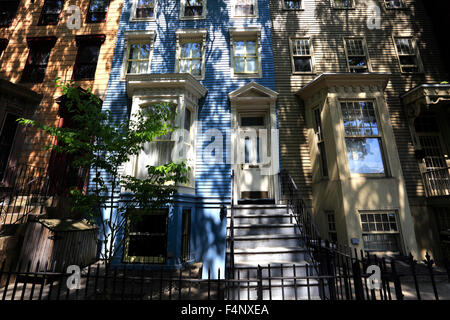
[277, 269]
[289, 291]
[267, 218]
[265, 229]
[277, 240]
[255, 210]
[266, 255]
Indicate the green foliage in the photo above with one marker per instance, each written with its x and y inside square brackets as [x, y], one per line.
[97, 141]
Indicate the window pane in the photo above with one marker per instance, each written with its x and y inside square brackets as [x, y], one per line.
[144, 9]
[251, 48]
[184, 66]
[364, 155]
[143, 67]
[239, 48]
[239, 65]
[185, 50]
[145, 51]
[196, 67]
[134, 51]
[252, 65]
[196, 50]
[292, 4]
[302, 64]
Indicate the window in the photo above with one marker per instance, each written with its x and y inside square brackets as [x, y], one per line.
[8, 10]
[393, 4]
[87, 56]
[245, 56]
[50, 12]
[37, 60]
[7, 134]
[320, 143]
[193, 9]
[146, 236]
[244, 8]
[97, 10]
[332, 233]
[292, 4]
[407, 54]
[362, 138]
[3, 45]
[380, 231]
[138, 57]
[190, 58]
[185, 235]
[144, 10]
[301, 56]
[356, 52]
[343, 4]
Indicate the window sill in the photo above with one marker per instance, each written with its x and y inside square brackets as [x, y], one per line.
[334, 8]
[246, 76]
[245, 17]
[304, 73]
[142, 19]
[285, 9]
[193, 18]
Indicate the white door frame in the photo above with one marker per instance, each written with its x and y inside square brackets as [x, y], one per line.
[254, 98]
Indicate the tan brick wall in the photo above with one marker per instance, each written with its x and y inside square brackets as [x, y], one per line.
[60, 64]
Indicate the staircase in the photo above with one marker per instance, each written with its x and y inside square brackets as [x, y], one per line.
[268, 235]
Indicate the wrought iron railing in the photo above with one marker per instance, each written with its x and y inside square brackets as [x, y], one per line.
[230, 266]
[22, 191]
[437, 182]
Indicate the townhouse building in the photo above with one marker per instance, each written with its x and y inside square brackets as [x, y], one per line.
[363, 116]
[40, 41]
[212, 60]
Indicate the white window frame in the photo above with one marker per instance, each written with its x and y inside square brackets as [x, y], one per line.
[398, 233]
[365, 48]
[182, 10]
[133, 17]
[183, 35]
[416, 51]
[137, 36]
[351, 7]
[402, 5]
[255, 10]
[311, 54]
[251, 33]
[380, 137]
[302, 7]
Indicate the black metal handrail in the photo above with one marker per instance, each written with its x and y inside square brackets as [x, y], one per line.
[232, 227]
[309, 232]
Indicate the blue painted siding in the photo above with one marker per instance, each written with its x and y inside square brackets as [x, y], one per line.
[213, 186]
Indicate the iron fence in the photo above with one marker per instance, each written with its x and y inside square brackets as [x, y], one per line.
[346, 278]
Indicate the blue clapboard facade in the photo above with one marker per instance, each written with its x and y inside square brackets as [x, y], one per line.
[220, 26]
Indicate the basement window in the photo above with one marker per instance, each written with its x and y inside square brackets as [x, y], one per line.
[146, 236]
[380, 231]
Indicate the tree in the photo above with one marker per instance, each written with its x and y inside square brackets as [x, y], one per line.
[102, 144]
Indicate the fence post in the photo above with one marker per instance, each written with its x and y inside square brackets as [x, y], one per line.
[413, 263]
[429, 262]
[329, 263]
[260, 288]
[447, 267]
[396, 279]
[357, 280]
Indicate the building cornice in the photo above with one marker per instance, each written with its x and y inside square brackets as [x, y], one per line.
[19, 91]
[328, 80]
[164, 80]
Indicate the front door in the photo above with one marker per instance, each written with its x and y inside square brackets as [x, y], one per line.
[252, 150]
